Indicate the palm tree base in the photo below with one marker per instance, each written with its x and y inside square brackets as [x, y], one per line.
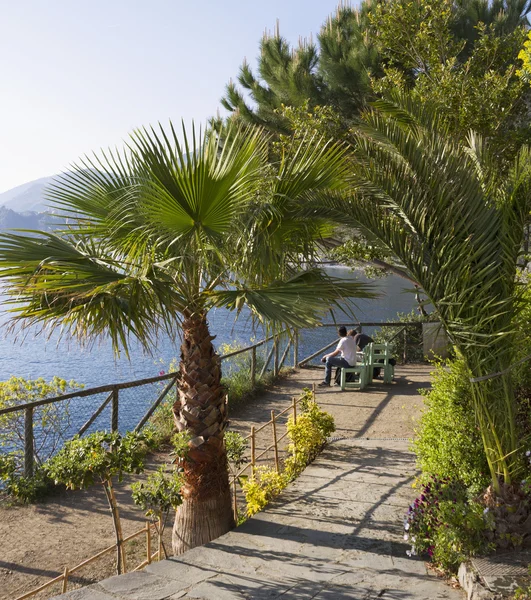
[198, 521]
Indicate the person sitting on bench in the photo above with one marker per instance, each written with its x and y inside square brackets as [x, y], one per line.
[360, 339]
[346, 348]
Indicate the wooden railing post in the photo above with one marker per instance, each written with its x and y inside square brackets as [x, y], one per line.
[253, 366]
[65, 581]
[148, 542]
[253, 449]
[234, 501]
[114, 410]
[294, 405]
[296, 349]
[275, 445]
[28, 442]
[160, 539]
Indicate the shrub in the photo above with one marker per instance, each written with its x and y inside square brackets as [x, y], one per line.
[235, 445]
[449, 526]
[415, 349]
[307, 435]
[262, 487]
[160, 492]
[157, 495]
[162, 422]
[100, 456]
[16, 485]
[51, 421]
[237, 374]
[181, 444]
[448, 442]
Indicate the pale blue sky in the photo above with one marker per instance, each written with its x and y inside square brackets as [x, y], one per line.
[79, 75]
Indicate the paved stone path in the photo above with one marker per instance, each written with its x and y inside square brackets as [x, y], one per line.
[334, 534]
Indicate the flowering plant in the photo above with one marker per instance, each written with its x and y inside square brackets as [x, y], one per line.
[445, 523]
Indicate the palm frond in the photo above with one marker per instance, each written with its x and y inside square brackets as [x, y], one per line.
[300, 301]
[83, 290]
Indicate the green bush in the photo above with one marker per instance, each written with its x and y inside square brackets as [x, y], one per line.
[51, 421]
[414, 341]
[448, 443]
[28, 489]
[162, 422]
[99, 456]
[448, 525]
[237, 374]
[160, 492]
[235, 446]
[307, 435]
[262, 487]
[16, 485]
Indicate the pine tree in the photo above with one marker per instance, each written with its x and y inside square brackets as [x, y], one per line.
[340, 70]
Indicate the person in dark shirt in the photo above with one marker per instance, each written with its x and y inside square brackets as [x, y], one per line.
[360, 339]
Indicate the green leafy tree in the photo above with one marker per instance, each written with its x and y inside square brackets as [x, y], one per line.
[157, 495]
[99, 457]
[163, 232]
[456, 224]
[525, 56]
[460, 53]
[475, 86]
[502, 16]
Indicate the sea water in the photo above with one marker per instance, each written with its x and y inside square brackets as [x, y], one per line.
[34, 355]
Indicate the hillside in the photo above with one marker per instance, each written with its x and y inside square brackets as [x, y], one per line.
[27, 197]
[11, 219]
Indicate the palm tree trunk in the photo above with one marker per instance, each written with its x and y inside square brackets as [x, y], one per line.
[201, 409]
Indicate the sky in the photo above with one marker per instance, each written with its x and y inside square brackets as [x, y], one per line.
[78, 75]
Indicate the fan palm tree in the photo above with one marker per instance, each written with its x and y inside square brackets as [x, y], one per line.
[457, 225]
[157, 235]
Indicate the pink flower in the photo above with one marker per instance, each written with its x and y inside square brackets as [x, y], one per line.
[162, 373]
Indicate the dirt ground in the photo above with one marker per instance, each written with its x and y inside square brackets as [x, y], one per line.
[38, 541]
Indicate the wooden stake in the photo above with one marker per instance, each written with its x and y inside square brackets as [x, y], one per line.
[124, 558]
[160, 538]
[65, 580]
[111, 498]
[148, 542]
[234, 501]
[275, 445]
[253, 449]
[294, 405]
[313, 391]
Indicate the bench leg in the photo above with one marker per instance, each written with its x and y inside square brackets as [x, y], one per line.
[388, 373]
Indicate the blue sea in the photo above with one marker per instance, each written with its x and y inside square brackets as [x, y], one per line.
[35, 356]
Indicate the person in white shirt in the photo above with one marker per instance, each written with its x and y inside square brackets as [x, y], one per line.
[346, 348]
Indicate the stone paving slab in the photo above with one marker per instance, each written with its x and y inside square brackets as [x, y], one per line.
[504, 572]
[335, 533]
